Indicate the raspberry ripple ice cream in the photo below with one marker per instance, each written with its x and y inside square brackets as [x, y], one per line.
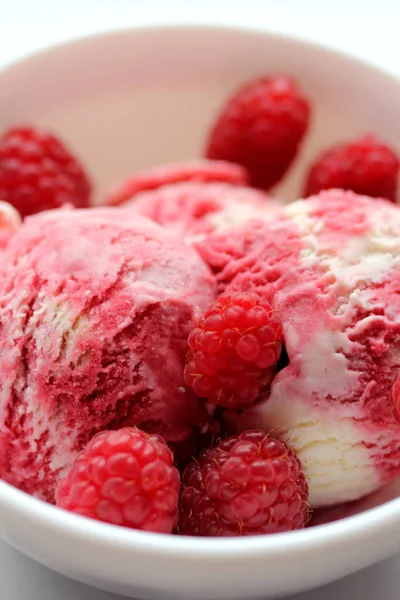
[331, 265]
[194, 209]
[95, 311]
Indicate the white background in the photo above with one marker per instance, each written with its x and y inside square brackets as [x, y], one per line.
[369, 29]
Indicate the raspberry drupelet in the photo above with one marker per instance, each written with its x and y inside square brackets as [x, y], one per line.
[248, 484]
[124, 477]
[234, 350]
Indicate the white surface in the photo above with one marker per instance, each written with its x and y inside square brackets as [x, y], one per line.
[23, 579]
[353, 26]
[367, 28]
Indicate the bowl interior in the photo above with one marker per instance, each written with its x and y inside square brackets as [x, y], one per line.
[125, 101]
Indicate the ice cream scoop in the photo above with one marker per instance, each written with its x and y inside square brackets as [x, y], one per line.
[196, 208]
[95, 310]
[331, 265]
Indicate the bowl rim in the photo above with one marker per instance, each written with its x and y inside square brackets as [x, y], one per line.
[376, 522]
[200, 27]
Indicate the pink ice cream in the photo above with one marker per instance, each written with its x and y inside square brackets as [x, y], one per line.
[193, 209]
[331, 265]
[95, 311]
[197, 171]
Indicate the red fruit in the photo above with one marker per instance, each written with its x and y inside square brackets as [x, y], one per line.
[395, 399]
[365, 166]
[261, 127]
[124, 477]
[234, 350]
[38, 173]
[199, 171]
[248, 484]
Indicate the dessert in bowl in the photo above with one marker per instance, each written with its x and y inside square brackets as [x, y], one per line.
[198, 322]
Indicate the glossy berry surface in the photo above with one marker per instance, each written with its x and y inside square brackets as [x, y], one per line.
[38, 173]
[261, 127]
[234, 350]
[124, 477]
[365, 166]
[248, 484]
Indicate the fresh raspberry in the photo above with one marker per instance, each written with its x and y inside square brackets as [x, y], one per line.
[234, 350]
[199, 171]
[366, 166]
[248, 484]
[38, 173]
[261, 127]
[395, 399]
[124, 477]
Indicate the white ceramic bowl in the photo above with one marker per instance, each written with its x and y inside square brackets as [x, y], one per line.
[136, 98]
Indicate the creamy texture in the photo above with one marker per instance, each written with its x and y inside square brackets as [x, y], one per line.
[331, 265]
[10, 222]
[195, 208]
[201, 171]
[95, 310]
[331, 448]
